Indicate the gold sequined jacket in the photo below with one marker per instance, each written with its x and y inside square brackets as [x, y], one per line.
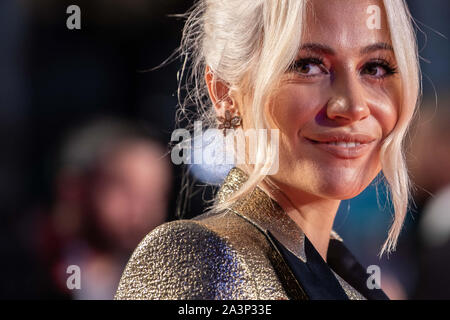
[224, 256]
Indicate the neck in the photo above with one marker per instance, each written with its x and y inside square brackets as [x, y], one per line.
[313, 215]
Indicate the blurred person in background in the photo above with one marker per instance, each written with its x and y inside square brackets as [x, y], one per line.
[430, 169]
[111, 189]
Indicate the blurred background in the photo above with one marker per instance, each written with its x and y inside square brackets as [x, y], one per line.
[85, 171]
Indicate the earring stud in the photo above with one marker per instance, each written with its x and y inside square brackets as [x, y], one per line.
[229, 122]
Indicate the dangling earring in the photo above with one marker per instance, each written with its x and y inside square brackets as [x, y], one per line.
[229, 122]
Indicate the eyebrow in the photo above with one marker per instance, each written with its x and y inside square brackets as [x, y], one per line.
[375, 47]
[324, 49]
[317, 47]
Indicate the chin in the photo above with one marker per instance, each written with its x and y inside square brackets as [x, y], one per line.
[345, 182]
[341, 189]
[328, 181]
[342, 194]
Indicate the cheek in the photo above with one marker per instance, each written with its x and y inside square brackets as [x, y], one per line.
[385, 105]
[293, 107]
[387, 115]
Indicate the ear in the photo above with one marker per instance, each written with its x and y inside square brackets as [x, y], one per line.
[219, 92]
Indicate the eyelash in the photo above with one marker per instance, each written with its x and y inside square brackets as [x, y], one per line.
[384, 63]
[389, 68]
[305, 61]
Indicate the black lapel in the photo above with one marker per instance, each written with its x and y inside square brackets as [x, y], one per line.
[342, 261]
[314, 276]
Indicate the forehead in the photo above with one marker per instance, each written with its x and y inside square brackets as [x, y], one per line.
[344, 23]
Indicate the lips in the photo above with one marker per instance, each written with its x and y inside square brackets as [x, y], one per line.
[342, 145]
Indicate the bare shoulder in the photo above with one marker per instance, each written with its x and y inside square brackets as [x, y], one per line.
[184, 259]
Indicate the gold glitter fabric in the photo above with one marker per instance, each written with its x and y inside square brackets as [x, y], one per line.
[223, 256]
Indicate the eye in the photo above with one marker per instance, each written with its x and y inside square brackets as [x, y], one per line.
[378, 69]
[309, 67]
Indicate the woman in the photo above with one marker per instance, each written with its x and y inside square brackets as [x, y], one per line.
[339, 81]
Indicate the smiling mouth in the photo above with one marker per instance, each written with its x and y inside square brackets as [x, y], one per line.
[348, 147]
[339, 143]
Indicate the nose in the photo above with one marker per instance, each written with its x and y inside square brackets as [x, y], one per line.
[347, 104]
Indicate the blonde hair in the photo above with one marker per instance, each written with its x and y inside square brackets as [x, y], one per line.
[250, 44]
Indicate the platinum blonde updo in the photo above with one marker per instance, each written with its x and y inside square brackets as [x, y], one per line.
[249, 44]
